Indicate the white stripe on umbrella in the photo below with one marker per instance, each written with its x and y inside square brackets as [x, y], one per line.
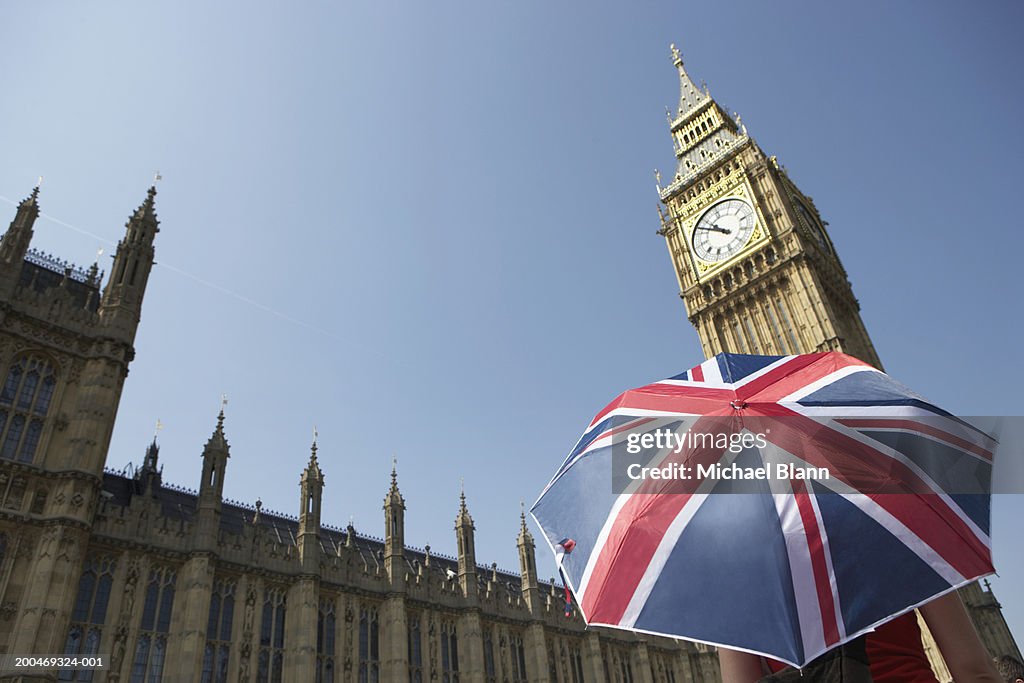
[804, 589]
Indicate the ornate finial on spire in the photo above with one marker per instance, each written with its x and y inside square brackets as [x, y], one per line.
[313, 448]
[689, 96]
[147, 210]
[218, 442]
[33, 197]
[157, 178]
[463, 518]
[524, 530]
[394, 496]
[157, 428]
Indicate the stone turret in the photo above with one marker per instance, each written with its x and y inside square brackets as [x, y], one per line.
[528, 566]
[464, 531]
[15, 242]
[121, 305]
[311, 486]
[211, 485]
[394, 531]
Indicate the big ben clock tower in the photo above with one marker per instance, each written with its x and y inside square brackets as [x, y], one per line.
[756, 268]
[758, 272]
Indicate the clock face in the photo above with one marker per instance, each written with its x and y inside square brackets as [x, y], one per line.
[723, 230]
[812, 224]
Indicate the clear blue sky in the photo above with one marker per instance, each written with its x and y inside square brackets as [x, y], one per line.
[446, 214]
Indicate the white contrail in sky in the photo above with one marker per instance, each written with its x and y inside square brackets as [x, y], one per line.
[202, 281]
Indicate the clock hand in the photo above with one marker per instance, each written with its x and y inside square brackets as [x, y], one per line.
[724, 231]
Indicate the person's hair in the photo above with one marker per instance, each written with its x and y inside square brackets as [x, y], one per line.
[1009, 668]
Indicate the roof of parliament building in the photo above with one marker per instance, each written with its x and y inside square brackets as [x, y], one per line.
[179, 506]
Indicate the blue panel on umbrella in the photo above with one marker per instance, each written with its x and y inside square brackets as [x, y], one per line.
[736, 366]
[978, 507]
[728, 579]
[863, 552]
[561, 512]
[867, 388]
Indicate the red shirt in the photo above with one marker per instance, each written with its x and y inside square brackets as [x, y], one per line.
[895, 653]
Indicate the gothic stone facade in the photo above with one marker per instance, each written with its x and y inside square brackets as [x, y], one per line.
[176, 585]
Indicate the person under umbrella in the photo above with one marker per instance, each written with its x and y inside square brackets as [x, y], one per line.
[781, 567]
[892, 654]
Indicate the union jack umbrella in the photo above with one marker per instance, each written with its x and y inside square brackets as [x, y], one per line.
[828, 500]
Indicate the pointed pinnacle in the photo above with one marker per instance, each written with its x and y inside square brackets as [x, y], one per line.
[313, 447]
[147, 209]
[217, 440]
[32, 200]
[677, 58]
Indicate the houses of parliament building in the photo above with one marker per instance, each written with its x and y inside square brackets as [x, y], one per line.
[177, 585]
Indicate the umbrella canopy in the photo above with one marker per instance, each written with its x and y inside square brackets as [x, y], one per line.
[775, 505]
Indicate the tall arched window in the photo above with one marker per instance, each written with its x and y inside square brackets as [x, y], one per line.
[369, 646]
[90, 613]
[449, 652]
[218, 632]
[151, 646]
[326, 628]
[24, 402]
